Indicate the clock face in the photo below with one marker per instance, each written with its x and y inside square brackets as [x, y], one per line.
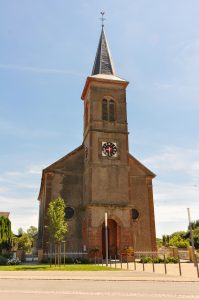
[109, 149]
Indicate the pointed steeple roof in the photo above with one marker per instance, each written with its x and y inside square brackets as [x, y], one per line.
[103, 62]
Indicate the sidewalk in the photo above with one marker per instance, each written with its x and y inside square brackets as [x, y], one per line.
[124, 275]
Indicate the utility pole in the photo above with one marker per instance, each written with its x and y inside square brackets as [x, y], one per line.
[192, 241]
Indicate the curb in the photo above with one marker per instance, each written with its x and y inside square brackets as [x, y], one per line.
[101, 279]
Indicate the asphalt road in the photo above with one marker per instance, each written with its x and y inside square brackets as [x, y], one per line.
[16, 289]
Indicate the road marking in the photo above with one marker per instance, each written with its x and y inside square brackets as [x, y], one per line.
[112, 294]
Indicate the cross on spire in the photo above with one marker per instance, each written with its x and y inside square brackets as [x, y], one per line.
[102, 18]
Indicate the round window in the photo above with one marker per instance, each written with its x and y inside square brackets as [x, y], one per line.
[135, 214]
[69, 212]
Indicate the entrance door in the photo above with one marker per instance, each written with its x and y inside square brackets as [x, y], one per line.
[112, 239]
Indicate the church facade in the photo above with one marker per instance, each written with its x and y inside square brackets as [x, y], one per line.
[101, 176]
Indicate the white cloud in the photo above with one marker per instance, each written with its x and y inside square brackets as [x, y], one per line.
[36, 169]
[8, 127]
[189, 52]
[173, 158]
[171, 197]
[23, 210]
[163, 86]
[19, 195]
[39, 70]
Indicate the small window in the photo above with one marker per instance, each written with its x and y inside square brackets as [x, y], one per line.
[111, 111]
[104, 110]
[69, 213]
[135, 214]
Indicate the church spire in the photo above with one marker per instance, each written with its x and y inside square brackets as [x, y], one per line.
[103, 62]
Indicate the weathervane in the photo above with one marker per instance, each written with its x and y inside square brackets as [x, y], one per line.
[102, 18]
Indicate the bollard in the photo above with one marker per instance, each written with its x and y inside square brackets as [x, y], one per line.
[55, 255]
[51, 253]
[115, 262]
[197, 266]
[165, 265]
[127, 262]
[95, 259]
[153, 263]
[143, 264]
[110, 261]
[180, 270]
[121, 261]
[102, 262]
[134, 264]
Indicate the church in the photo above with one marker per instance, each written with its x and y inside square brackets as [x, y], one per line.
[101, 176]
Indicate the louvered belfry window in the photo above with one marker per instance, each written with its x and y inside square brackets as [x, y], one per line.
[111, 111]
[104, 110]
[108, 110]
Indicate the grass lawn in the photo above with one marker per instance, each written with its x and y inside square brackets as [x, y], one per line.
[37, 267]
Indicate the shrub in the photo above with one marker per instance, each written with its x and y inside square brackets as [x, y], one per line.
[3, 261]
[82, 260]
[171, 260]
[45, 260]
[146, 259]
[7, 255]
[68, 260]
[13, 261]
[158, 260]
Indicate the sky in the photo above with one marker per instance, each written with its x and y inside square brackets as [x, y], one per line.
[47, 50]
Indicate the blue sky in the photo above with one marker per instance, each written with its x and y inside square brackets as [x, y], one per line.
[47, 51]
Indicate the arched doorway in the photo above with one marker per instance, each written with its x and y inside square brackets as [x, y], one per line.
[112, 238]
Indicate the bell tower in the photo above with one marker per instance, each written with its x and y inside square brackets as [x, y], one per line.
[105, 132]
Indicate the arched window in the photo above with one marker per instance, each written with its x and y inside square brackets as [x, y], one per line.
[108, 110]
[104, 110]
[111, 111]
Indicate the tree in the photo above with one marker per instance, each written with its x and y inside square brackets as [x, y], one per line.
[194, 224]
[32, 233]
[56, 221]
[24, 242]
[178, 241]
[5, 233]
[196, 237]
[165, 240]
[20, 231]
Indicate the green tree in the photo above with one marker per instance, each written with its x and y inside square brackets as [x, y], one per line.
[165, 240]
[57, 225]
[32, 233]
[56, 222]
[5, 233]
[181, 233]
[24, 242]
[159, 242]
[178, 241]
[196, 237]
